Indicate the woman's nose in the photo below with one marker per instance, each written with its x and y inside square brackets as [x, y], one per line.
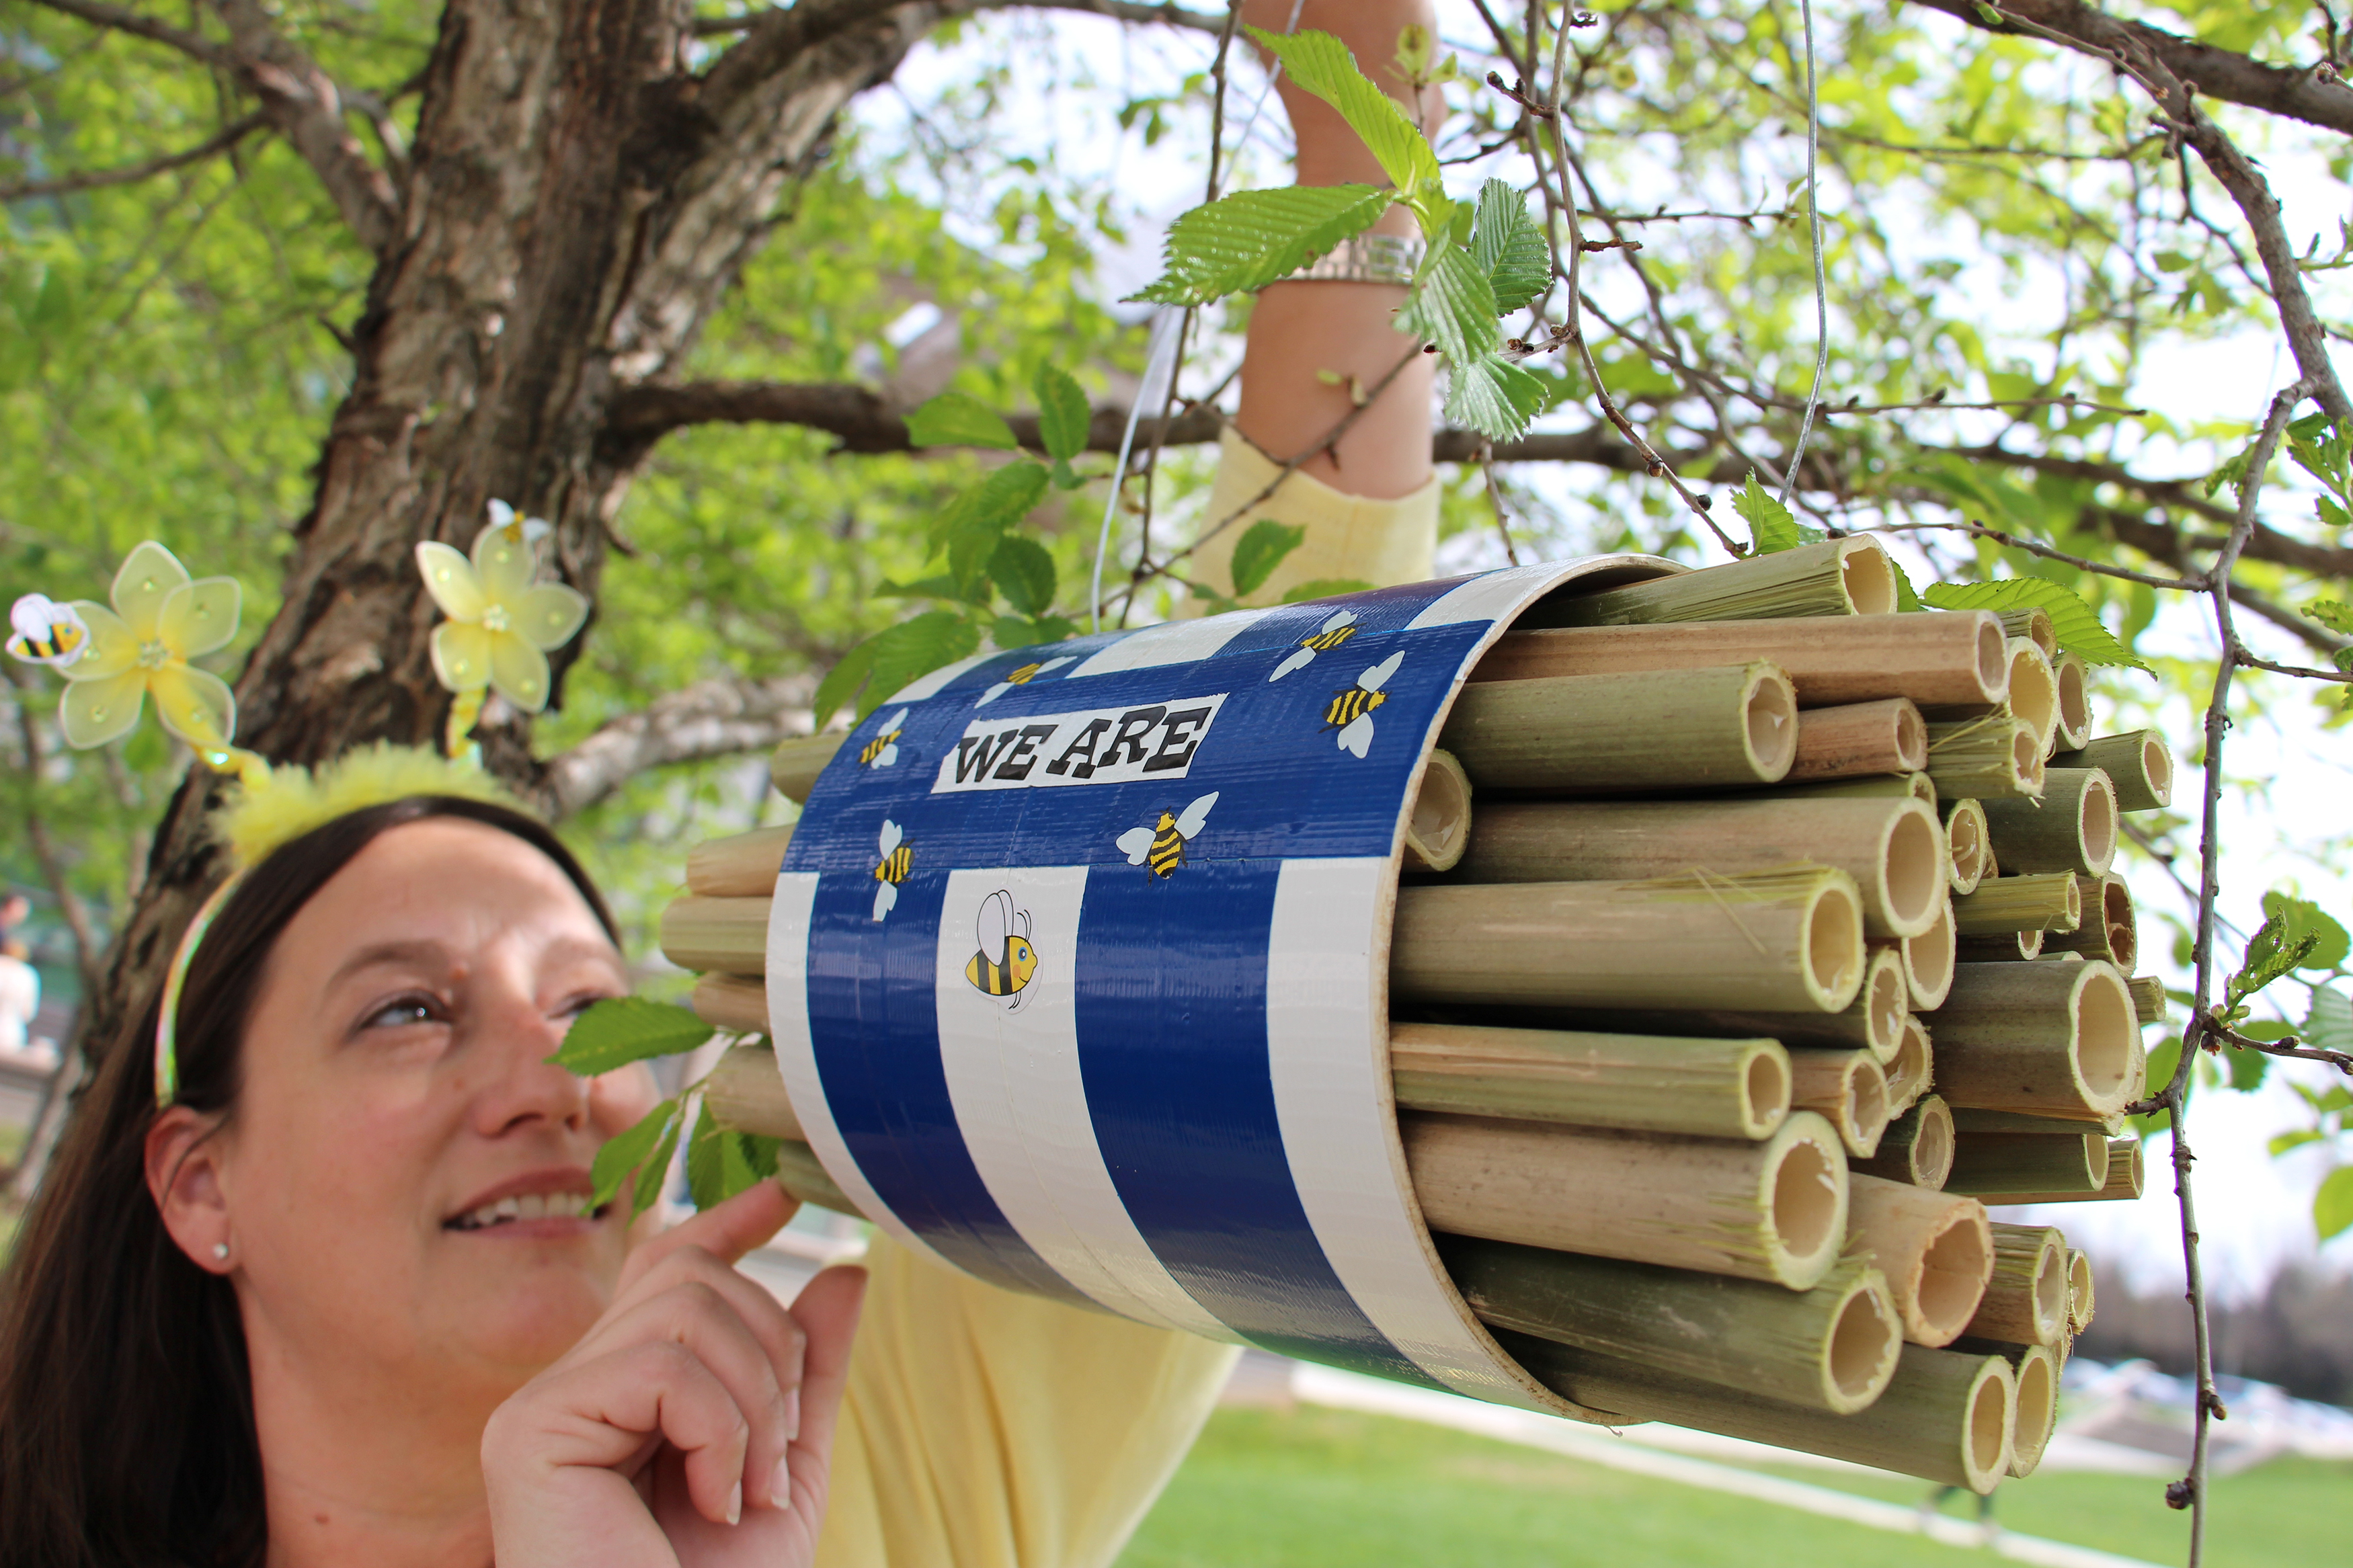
[521, 1084]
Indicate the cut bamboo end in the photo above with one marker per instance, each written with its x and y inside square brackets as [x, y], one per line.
[1956, 658]
[1891, 848]
[2036, 1368]
[794, 765]
[2034, 692]
[2126, 1173]
[2033, 624]
[1774, 1211]
[1992, 757]
[2109, 930]
[1832, 1348]
[1587, 734]
[1859, 739]
[736, 1003]
[1438, 829]
[1929, 958]
[2050, 901]
[742, 866]
[2139, 761]
[1885, 1000]
[2049, 1039]
[1968, 842]
[1912, 1069]
[746, 1094]
[2072, 826]
[2026, 1298]
[727, 936]
[1849, 1088]
[800, 1174]
[1790, 941]
[2074, 677]
[1935, 1248]
[1639, 1083]
[1851, 576]
[2149, 999]
[1994, 1164]
[2079, 1291]
[1945, 1416]
[1917, 1147]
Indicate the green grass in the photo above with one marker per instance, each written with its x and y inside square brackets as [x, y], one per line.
[1327, 1488]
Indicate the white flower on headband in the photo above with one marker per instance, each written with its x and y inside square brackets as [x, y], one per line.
[161, 620]
[500, 624]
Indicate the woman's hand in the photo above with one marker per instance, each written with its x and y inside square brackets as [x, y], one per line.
[692, 1424]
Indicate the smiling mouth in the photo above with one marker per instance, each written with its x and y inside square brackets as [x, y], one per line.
[528, 1206]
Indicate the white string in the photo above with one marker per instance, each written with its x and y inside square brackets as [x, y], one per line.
[1155, 376]
[1822, 288]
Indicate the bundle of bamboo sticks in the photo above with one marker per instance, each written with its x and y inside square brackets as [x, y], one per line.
[1782, 941]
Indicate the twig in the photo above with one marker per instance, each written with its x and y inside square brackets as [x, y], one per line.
[2286, 1045]
[1495, 499]
[1979, 530]
[1821, 284]
[212, 146]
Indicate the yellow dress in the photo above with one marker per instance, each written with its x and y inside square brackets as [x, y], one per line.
[985, 1429]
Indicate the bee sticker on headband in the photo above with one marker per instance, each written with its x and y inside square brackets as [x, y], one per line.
[1163, 844]
[1021, 677]
[46, 632]
[1337, 628]
[883, 751]
[1350, 711]
[897, 856]
[1005, 961]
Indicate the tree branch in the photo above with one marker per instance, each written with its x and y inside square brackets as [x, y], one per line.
[1118, 10]
[212, 146]
[711, 719]
[114, 18]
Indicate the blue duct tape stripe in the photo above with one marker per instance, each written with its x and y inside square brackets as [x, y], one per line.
[1173, 1054]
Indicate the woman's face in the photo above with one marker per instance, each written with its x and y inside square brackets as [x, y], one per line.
[405, 1176]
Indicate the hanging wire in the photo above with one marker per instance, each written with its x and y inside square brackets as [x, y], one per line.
[1821, 286]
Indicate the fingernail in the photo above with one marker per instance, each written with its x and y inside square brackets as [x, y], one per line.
[792, 1415]
[735, 1504]
[780, 1486]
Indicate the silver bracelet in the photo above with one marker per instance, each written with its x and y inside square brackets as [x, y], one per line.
[1362, 258]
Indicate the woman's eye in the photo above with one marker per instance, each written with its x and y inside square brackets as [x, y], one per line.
[401, 1014]
[572, 1010]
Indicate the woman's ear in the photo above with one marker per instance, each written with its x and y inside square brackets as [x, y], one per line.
[183, 1177]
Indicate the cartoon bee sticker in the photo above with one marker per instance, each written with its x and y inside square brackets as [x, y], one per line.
[1337, 628]
[897, 856]
[1163, 844]
[883, 751]
[46, 632]
[1021, 677]
[1350, 711]
[1003, 932]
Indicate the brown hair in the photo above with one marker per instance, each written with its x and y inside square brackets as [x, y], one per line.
[126, 1411]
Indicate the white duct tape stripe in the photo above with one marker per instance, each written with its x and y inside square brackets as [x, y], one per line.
[1501, 595]
[931, 685]
[1170, 642]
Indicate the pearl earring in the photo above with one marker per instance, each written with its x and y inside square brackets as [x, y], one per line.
[220, 1251]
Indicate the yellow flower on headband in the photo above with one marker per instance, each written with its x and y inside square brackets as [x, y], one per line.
[500, 624]
[161, 620]
[290, 801]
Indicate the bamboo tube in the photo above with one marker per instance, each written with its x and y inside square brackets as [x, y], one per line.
[1953, 658]
[1775, 1211]
[2047, 901]
[1992, 1166]
[1936, 1250]
[1945, 1416]
[1849, 1088]
[1859, 739]
[2072, 828]
[726, 935]
[2033, 624]
[1878, 786]
[2109, 930]
[745, 1093]
[1890, 847]
[794, 765]
[1968, 843]
[2026, 1299]
[1912, 1069]
[2138, 762]
[2033, 691]
[1790, 941]
[2079, 1288]
[1851, 576]
[1590, 735]
[1928, 960]
[2149, 999]
[1833, 1347]
[799, 1173]
[736, 1003]
[742, 866]
[2125, 1175]
[1439, 826]
[1977, 1119]
[1991, 758]
[1873, 1022]
[2050, 1040]
[1916, 1149]
[2036, 1406]
[2074, 700]
[1639, 1083]
[2015, 947]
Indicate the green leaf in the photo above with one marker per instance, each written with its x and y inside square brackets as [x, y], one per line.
[1247, 240]
[942, 586]
[2329, 1024]
[2306, 918]
[1492, 395]
[2332, 1206]
[619, 1030]
[1322, 65]
[1022, 631]
[1506, 244]
[1259, 551]
[656, 1170]
[706, 1177]
[982, 514]
[624, 1152]
[2247, 1068]
[2275, 951]
[1770, 523]
[2285, 1141]
[1063, 415]
[2078, 629]
[736, 1174]
[915, 647]
[957, 420]
[1452, 305]
[840, 682]
[2336, 615]
[759, 1152]
[1024, 572]
[1325, 588]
